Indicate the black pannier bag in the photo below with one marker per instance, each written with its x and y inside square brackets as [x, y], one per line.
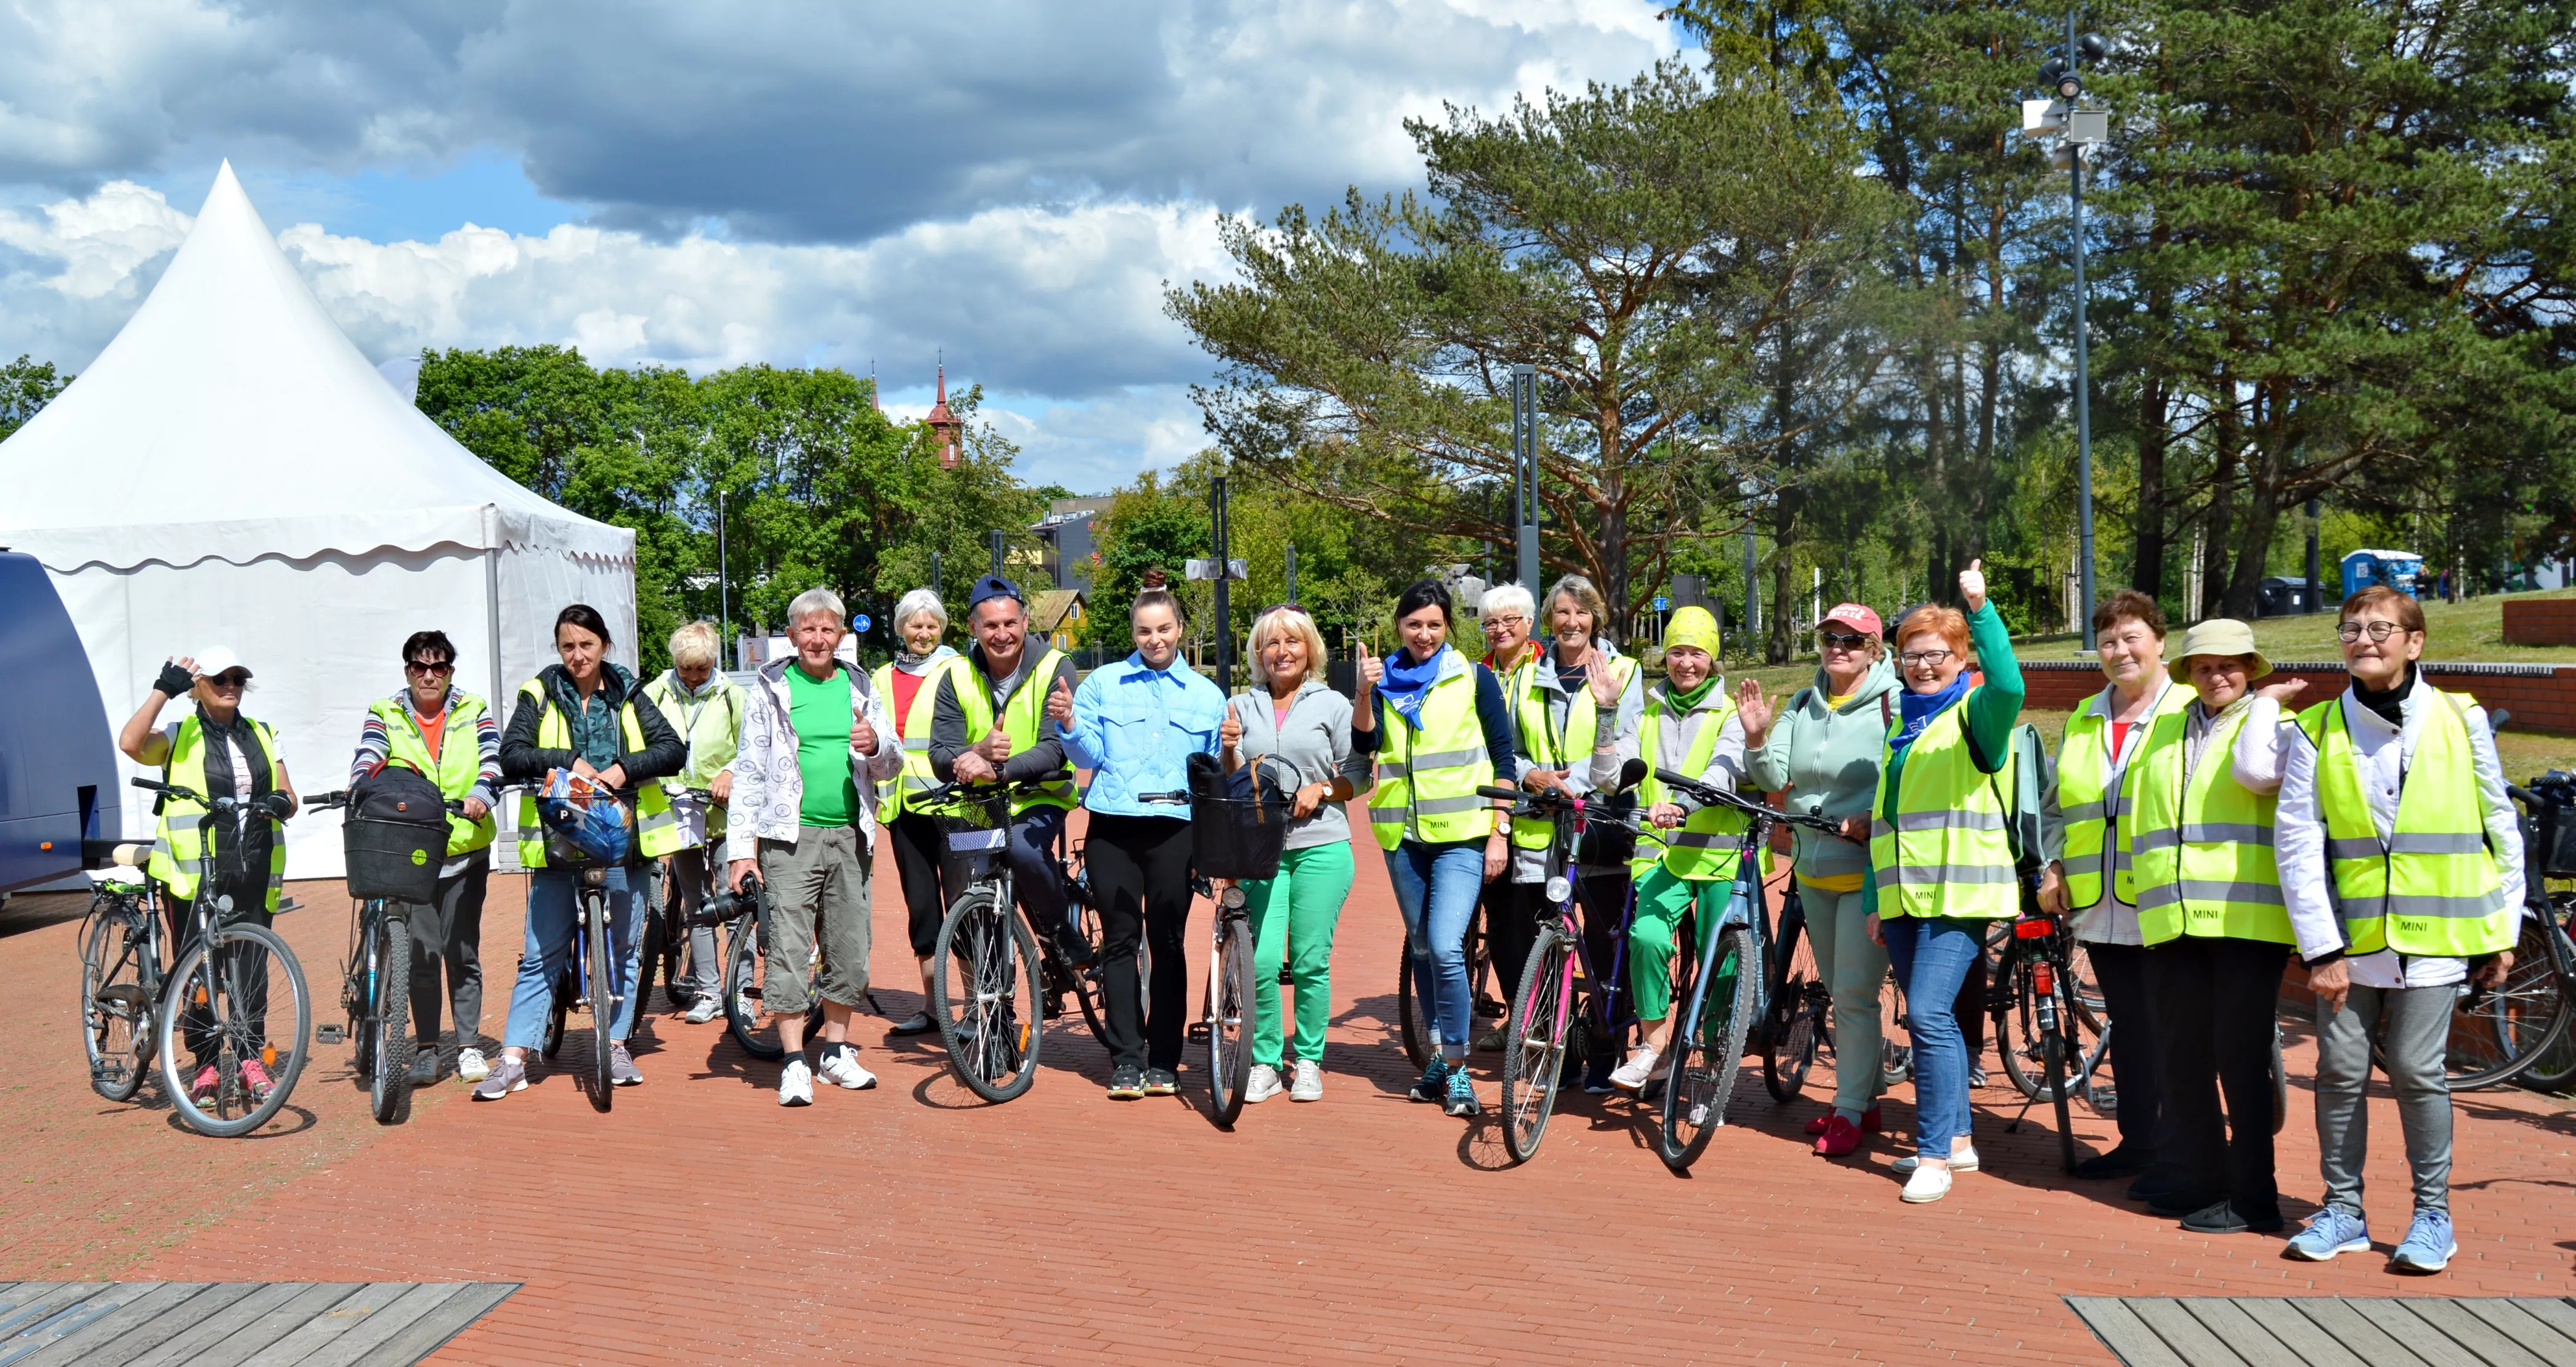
[395, 836]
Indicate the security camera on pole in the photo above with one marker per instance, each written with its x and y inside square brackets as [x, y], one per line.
[2078, 131]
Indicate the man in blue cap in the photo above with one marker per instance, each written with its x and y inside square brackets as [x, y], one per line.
[1000, 732]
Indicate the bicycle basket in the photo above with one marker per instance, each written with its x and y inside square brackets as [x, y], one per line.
[395, 836]
[970, 847]
[1238, 821]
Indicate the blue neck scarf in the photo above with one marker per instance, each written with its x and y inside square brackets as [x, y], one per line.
[1406, 685]
[1919, 709]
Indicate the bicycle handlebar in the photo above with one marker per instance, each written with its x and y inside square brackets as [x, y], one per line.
[985, 792]
[338, 798]
[1713, 796]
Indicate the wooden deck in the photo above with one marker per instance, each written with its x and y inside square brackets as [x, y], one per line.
[235, 1324]
[2333, 1331]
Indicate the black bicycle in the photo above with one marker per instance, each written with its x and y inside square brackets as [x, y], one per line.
[234, 998]
[1798, 1017]
[748, 919]
[588, 979]
[1228, 1017]
[998, 977]
[122, 964]
[2522, 1027]
[375, 982]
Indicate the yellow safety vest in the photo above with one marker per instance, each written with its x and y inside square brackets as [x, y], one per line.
[1946, 854]
[1022, 717]
[2095, 818]
[455, 768]
[1535, 722]
[689, 717]
[657, 831]
[179, 841]
[2432, 887]
[1705, 845]
[917, 722]
[2201, 843]
[1427, 779]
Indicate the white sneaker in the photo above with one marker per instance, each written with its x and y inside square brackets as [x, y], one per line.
[841, 1069]
[1632, 1075]
[796, 1084]
[1306, 1083]
[1960, 1161]
[1927, 1184]
[1264, 1084]
[471, 1066]
[702, 1011]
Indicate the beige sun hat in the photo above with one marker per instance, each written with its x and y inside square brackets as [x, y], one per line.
[2217, 636]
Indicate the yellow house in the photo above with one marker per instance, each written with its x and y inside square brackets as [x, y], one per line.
[1058, 615]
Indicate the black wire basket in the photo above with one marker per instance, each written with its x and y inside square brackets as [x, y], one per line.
[394, 860]
[971, 846]
[1238, 822]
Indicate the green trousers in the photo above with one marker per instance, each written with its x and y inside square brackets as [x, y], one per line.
[1298, 909]
[1662, 900]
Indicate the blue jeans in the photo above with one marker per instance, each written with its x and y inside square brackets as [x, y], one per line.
[1436, 887]
[1931, 955]
[548, 951]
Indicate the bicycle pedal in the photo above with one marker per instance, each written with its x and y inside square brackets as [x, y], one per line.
[330, 1034]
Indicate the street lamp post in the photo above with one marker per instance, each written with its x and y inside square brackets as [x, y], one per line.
[2077, 130]
[1525, 471]
[999, 537]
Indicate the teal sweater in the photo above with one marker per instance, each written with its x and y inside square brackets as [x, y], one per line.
[1826, 760]
[1992, 709]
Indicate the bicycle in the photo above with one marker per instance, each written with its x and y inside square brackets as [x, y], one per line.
[1228, 1017]
[2504, 1032]
[2034, 987]
[664, 935]
[375, 983]
[121, 973]
[228, 977]
[1534, 1040]
[745, 916]
[1711, 1035]
[1798, 1019]
[588, 977]
[993, 970]
[1478, 948]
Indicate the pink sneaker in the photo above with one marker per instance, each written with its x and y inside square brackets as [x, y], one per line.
[208, 1082]
[1869, 1122]
[257, 1077]
[1840, 1139]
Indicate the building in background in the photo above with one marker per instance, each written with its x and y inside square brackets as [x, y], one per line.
[1067, 552]
[1059, 615]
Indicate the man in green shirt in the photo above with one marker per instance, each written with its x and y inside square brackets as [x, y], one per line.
[815, 743]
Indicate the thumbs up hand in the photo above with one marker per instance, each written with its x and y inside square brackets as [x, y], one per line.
[1230, 732]
[863, 737]
[1972, 584]
[1059, 705]
[1372, 669]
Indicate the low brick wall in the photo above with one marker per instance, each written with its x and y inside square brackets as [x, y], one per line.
[2540, 697]
[2540, 621]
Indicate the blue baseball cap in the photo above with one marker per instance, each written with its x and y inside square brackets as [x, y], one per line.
[994, 586]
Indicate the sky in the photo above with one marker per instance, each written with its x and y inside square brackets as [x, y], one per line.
[1007, 185]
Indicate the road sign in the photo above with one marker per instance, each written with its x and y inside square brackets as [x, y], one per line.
[1663, 604]
[1236, 568]
[863, 623]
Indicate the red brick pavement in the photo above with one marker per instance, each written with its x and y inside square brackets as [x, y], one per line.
[700, 1222]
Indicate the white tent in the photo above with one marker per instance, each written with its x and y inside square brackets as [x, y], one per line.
[231, 471]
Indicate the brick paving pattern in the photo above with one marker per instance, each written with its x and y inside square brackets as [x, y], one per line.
[700, 1222]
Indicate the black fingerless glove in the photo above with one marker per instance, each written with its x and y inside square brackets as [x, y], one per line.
[174, 681]
[276, 805]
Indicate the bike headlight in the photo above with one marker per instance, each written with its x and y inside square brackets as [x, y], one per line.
[1232, 899]
[1558, 889]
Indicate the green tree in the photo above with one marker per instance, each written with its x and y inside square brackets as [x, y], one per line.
[26, 386]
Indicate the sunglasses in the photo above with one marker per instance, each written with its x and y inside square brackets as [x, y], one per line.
[230, 678]
[1296, 608]
[431, 667]
[1841, 640]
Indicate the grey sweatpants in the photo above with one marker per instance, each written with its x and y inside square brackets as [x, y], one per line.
[2417, 1034]
[688, 891]
[818, 895]
[1853, 969]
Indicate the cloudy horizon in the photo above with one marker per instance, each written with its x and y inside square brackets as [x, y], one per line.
[1005, 185]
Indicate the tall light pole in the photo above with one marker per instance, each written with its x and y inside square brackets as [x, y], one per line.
[2077, 130]
[999, 538]
[1291, 595]
[1525, 470]
[1224, 620]
[724, 586]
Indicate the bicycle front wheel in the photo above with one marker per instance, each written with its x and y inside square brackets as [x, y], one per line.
[1707, 1050]
[2554, 1067]
[746, 980]
[599, 982]
[984, 995]
[1794, 1024]
[231, 1030]
[1230, 1017]
[388, 1039]
[1534, 1043]
[116, 1014]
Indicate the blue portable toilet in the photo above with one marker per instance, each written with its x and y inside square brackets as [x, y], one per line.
[2399, 570]
[57, 759]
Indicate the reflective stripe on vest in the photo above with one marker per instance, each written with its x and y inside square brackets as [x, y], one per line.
[178, 841]
[2432, 887]
[1946, 854]
[657, 829]
[2092, 812]
[1534, 720]
[917, 723]
[454, 769]
[1427, 779]
[1704, 848]
[688, 717]
[1022, 718]
[2201, 842]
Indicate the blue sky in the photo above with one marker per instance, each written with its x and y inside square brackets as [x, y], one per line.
[1008, 183]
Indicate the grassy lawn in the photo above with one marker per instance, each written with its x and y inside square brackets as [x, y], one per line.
[2471, 630]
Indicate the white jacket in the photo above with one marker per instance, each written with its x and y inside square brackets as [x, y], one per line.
[769, 788]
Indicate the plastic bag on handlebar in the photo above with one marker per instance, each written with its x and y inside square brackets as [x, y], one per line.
[586, 816]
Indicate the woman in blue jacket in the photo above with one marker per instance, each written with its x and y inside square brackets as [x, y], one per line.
[1135, 724]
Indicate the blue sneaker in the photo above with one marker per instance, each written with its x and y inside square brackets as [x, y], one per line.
[1434, 1084]
[2428, 1246]
[1462, 1095]
[2331, 1231]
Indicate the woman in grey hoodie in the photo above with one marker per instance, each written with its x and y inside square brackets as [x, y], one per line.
[1291, 716]
[1821, 748]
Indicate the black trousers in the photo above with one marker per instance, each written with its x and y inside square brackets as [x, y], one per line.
[2214, 1003]
[448, 935]
[1513, 911]
[1140, 874]
[2121, 970]
[916, 862]
[243, 966]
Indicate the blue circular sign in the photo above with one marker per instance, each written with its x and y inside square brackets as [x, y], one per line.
[863, 623]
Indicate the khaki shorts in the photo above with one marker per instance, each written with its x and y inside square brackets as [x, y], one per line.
[818, 894]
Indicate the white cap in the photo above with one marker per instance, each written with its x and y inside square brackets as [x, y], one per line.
[214, 660]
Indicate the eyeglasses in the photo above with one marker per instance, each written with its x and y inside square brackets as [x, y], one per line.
[1841, 640]
[1506, 620]
[2379, 631]
[230, 678]
[1935, 658]
[431, 668]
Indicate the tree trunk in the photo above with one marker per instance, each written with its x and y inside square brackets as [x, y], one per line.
[2264, 478]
